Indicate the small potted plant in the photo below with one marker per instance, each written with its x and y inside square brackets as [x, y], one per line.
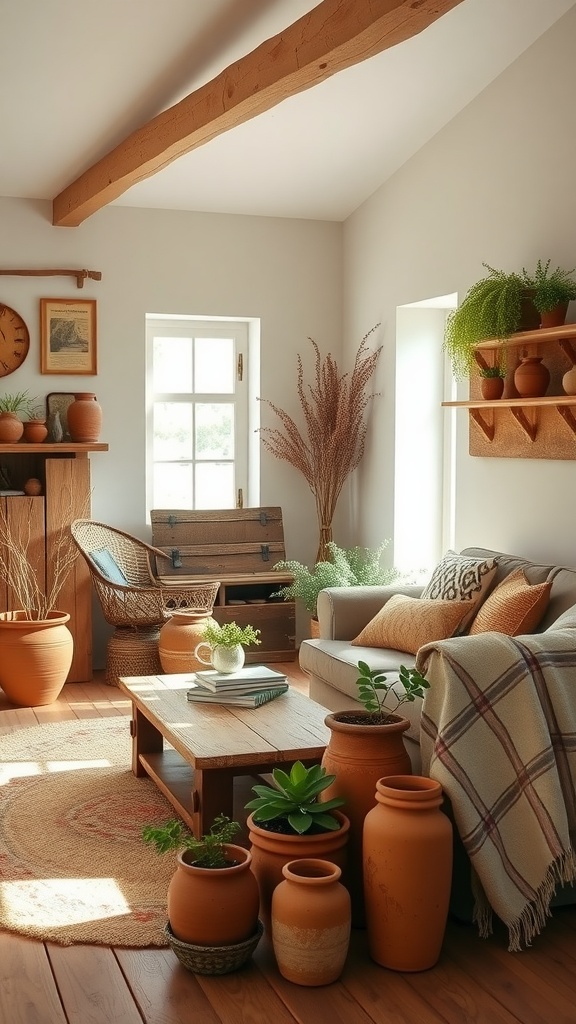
[492, 383]
[226, 645]
[553, 290]
[213, 895]
[12, 408]
[288, 821]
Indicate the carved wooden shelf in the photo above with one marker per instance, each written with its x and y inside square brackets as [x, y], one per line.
[564, 335]
[529, 423]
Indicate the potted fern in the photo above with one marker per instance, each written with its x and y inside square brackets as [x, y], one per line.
[492, 382]
[553, 290]
[213, 895]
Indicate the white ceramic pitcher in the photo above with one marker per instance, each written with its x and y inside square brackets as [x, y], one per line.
[222, 659]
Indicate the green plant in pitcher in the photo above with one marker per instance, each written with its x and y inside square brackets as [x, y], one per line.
[230, 634]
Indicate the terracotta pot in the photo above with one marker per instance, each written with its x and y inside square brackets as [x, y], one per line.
[11, 428]
[358, 755]
[221, 659]
[314, 628]
[84, 417]
[213, 906]
[531, 377]
[272, 850]
[492, 388]
[554, 317]
[35, 657]
[35, 431]
[569, 381]
[311, 922]
[407, 873]
[178, 639]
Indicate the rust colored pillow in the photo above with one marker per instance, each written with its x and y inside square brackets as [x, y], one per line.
[514, 607]
[406, 623]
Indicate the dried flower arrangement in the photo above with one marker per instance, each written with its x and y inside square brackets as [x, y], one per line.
[333, 443]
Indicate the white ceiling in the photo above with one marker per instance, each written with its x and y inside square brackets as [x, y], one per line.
[77, 76]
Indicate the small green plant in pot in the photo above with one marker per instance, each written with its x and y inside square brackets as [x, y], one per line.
[553, 290]
[225, 644]
[207, 852]
[492, 381]
[374, 690]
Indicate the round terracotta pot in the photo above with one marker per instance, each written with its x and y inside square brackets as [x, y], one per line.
[311, 922]
[35, 431]
[35, 657]
[358, 755]
[554, 317]
[179, 637]
[569, 381]
[407, 873]
[531, 377]
[84, 417]
[213, 906]
[492, 388]
[11, 428]
[272, 850]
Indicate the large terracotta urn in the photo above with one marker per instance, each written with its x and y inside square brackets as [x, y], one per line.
[311, 922]
[84, 417]
[214, 906]
[407, 873]
[179, 638]
[35, 656]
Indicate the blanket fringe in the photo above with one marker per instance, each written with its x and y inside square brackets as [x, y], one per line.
[535, 914]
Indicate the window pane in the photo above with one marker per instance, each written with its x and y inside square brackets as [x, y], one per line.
[172, 430]
[172, 365]
[214, 430]
[215, 485]
[214, 365]
[173, 485]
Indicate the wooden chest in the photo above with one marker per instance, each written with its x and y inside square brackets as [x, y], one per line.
[239, 547]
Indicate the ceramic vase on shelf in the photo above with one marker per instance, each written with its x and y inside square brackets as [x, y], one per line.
[11, 428]
[311, 922]
[178, 639]
[531, 377]
[492, 388]
[35, 431]
[221, 659]
[84, 418]
[407, 873]
[569, 381]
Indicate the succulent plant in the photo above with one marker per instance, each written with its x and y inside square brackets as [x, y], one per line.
[294, 799]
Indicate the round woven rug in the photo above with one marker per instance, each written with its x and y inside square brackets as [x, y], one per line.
[73, 866]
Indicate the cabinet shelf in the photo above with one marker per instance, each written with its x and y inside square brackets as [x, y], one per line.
[53, 448]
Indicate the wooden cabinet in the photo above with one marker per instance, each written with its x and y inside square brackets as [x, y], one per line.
[239, 547]
[525, 427]
[64, 472]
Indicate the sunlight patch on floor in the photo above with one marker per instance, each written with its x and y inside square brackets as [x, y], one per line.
[25, 769]
[60, 902]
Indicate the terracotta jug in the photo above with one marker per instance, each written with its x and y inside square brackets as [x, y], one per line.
[531, 377]
[311, 922]
[179, 637]
[214, 906]
[84, 418]
[407, 873]
[35, 656]
[358, 755]
[11, 428]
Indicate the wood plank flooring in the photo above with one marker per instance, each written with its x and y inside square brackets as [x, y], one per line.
[475, 982]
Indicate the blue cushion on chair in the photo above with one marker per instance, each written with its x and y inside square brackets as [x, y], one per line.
[108, 566]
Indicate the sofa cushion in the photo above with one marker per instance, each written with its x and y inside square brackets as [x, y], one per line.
[514, 607]
[407, 623]
[461, 578]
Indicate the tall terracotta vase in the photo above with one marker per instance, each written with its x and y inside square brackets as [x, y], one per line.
[84, 418]
[35, 657]
[358, 755]
[272, 850]
[311, 922]
[214, 906]
[179, 637]
[407, 873]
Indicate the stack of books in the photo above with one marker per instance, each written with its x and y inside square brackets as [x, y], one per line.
[250, 687]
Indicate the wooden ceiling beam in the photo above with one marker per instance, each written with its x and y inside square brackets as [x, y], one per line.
[334, 35]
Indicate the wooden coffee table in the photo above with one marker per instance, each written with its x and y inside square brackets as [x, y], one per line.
[212, 745]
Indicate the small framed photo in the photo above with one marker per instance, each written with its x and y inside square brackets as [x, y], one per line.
[68, 336]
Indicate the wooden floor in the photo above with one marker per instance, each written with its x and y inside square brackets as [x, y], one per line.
[475, 982]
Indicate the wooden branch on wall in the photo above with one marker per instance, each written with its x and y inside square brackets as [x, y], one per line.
[80, 275]
[334, 35]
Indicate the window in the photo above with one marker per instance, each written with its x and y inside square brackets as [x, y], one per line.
[197, 413]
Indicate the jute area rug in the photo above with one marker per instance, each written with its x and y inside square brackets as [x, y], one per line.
[73, 866]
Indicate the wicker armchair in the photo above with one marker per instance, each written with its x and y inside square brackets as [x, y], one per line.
[132, 598]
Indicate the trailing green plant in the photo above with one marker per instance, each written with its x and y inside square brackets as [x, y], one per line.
[347, 567]
[490, 372]
[230, 634]
[491, 308]
[19, 402]
[373, 689]
[294, 799]
[208, 851]
[552, 289]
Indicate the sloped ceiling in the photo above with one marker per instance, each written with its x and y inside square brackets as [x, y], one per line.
[77, 77]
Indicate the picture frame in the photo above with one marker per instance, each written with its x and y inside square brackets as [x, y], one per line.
[68, 336]
[58, 402]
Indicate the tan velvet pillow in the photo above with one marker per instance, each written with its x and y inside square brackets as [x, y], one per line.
[514, 607]
[406, 623]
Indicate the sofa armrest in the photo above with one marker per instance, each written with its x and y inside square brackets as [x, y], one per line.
[344, 611]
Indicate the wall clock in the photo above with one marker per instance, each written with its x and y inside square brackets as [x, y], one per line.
[14, 340]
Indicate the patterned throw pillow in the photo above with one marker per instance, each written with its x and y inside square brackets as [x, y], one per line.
[461, 578]
[406, 623]
[515, 606]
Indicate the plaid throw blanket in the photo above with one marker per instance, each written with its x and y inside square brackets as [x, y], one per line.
[498, 732]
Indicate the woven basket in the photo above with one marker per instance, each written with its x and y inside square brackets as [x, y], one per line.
[213, 959]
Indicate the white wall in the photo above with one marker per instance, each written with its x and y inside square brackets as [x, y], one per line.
[287, 272]
[496, 185]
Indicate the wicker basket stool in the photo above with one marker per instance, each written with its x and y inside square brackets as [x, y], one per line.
[132, 652]
[213, 959]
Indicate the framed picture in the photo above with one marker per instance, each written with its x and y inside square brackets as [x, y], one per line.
[58, 402]
[68, 336]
